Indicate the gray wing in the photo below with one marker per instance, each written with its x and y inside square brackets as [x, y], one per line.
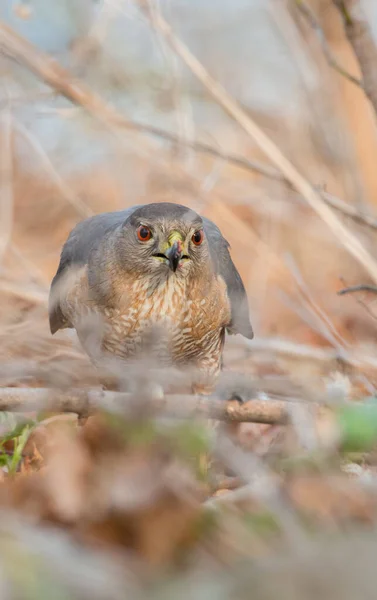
[219, 248]
[76, 251]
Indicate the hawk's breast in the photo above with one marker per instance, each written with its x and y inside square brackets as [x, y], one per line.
[177, 323]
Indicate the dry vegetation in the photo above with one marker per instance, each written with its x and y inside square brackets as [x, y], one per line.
[128, 494]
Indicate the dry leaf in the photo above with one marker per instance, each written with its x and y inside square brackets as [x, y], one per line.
[332, 498]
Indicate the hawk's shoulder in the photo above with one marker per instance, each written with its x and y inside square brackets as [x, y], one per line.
[83, 239]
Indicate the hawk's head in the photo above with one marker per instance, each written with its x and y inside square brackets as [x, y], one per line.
[163, 239]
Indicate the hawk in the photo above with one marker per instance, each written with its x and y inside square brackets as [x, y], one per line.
[158, 264]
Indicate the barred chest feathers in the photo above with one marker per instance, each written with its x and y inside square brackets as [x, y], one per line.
[190, 319]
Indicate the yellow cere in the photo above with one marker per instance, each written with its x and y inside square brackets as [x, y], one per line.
[174, 236]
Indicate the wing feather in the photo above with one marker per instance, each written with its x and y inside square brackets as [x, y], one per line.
[76, 252]
[219, 248]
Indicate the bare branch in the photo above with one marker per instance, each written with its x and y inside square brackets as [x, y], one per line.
[264, 142]
[361, 39]
[309, 15]
[63, 82]
[358, 288]
[20, 50]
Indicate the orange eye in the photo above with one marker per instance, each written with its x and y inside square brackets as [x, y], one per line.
[144, 233]
[198, 237]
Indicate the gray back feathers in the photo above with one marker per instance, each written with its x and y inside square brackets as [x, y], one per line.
[88, 234]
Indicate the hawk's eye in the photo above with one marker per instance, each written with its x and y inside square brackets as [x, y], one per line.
[144, 233]
[198, 237]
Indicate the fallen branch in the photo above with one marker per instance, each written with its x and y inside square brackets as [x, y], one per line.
[84, 402]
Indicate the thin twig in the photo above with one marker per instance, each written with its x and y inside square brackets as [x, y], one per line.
[47, 165]
[359, 301]
[87, 402]
[319, 314]
[270, 149]
[363, 287]
[309, 15]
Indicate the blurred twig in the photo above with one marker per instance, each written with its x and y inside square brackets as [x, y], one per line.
[86, 402]
[349, 211]
[64, 189]
[77, 92]
[321, 319]
[360, 37]
[30, 268]
[6, 180]
[360, 288]
[23, 292]
[221, 96]
[309, 15]
[301, 352]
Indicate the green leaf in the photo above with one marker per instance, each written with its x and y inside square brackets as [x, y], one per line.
[4, 459]
[358, 425]
[19, 445]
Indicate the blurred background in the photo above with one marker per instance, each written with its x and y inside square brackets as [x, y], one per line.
[294, 72]
[65, 165]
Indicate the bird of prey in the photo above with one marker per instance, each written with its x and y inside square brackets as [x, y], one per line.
[157, 264]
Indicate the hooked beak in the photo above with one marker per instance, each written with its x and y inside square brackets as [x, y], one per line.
[174, 255]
